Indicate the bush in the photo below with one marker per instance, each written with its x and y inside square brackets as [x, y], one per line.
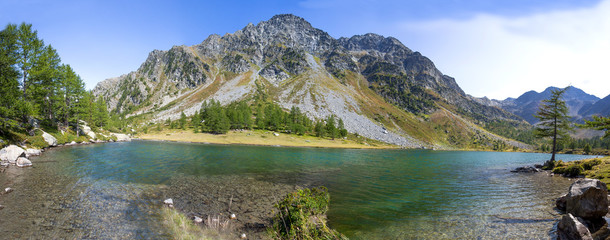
[302, 215]
[574, 171]
[588, 165]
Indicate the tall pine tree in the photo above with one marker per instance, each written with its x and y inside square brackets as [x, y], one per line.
[554, 121]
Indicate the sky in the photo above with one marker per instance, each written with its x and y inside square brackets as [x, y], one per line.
[493, 48]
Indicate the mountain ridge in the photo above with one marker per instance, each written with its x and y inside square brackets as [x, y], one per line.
[372, 82]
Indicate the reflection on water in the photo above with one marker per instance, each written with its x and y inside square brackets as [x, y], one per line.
[115, 190]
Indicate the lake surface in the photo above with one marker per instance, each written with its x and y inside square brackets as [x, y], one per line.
[115, 190]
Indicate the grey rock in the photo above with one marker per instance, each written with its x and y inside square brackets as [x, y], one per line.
[121, 137]
[23, 162]
[526, 169]
[32, 152]
[197, 219]
[52, 141]
[8, 190]
[11, 153]
[168, 201]
[571, 228]
[561, 202]
[587, 198]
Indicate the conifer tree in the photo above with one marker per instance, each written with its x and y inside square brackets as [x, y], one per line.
[9, 85]
[554, 121]
[599, 123]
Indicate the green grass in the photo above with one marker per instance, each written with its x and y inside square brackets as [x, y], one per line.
[597, 168]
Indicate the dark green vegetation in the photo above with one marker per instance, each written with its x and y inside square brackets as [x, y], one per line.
[599, 123]
[554, 121]
[38, 91]
[302, 215]
[217, 119]
[598, 168]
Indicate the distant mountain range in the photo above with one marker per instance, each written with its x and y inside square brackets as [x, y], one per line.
[581, 105]
[379, 87]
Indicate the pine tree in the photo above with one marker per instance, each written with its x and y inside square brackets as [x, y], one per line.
[101, 118]
[599, 123]
[554, 121]
[9, 85]
[587, 148]
[331, 129]
[182, 121]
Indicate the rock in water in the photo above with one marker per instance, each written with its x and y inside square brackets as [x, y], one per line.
[571, 228]
[52, 141]
[23, 162]
[32, 152]
[561, 202]
[587, 198]
[11, 153]
[526, 170]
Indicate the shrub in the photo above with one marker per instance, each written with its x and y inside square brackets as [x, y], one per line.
[588, 165]
[301, 215]
[574, 171]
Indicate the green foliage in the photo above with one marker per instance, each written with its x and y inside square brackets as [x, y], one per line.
[554, 119]
[576, 168]
[587, 149]
[301, 215]
[182, 121]
[214, 117]
[599, 123]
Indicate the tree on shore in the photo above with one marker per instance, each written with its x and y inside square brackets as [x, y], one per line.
[554, 121]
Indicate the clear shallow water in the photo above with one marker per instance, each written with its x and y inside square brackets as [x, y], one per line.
[115, 190]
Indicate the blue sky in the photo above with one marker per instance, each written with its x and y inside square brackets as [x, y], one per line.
[493, 48]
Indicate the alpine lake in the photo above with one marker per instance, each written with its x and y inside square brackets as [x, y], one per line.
[116, 190]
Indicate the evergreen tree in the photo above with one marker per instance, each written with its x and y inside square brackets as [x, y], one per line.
[9, 85]
[182, 120]
[331, 129]
[587, 148]
[599, 123]
[341, 128]
[196, 121]
[101, 117]
[319, 129]
[30, 47]
[554, 121]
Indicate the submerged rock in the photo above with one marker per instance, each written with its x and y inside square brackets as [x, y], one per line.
[526, 169]
[11, 153]
[52, 141]
[23, 162]
[571, 228]
[587, 198]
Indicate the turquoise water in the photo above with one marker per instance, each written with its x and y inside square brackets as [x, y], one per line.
[114, 190]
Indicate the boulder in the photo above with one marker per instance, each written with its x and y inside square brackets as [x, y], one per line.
[23, 162]
[587, 198]
[52, 141]
[91, 135]
[11, 153]
[168, 201]
[571, 228]
[121, 137]
[32, 152]
[526, 169]
[561, 202]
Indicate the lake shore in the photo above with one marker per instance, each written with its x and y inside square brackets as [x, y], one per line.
[263, 138]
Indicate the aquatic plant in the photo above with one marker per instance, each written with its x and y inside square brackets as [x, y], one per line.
[302, 215]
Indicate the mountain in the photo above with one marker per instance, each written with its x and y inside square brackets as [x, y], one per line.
[526, 105]
[600, 108]
[373, 83]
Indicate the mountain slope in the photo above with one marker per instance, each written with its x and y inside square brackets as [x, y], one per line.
[527, 104]
[372, 82]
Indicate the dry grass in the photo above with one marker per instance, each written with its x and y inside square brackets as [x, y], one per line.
[258, 137]
[183, 228]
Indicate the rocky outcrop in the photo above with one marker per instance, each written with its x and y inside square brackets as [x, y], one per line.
[587, 198]
[121, 137]
[11, 153]
[586, 204]
[526, 169]
[52, 141]
[23, 162]
[571, 228]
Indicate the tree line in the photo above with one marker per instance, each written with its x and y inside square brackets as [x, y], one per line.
[36, 87]
[217, 119]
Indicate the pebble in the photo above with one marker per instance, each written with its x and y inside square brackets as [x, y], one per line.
[233, 216]
[243, 236]
[169, 201]
[1, 207]
[197, 219]
[8, 190]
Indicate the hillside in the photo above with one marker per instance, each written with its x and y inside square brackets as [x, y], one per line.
[379, 87]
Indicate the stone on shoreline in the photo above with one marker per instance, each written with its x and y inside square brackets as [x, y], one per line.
[561, 202]
[526, 169]
[169, 202]
[52, 141]
[571, 227]
[32, 152]
[121, 137]
[23, 162]
[11, 153]
[587, 198]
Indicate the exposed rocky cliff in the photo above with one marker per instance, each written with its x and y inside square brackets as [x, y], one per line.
[372, 82]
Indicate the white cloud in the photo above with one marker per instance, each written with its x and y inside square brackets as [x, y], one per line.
[501, 57]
